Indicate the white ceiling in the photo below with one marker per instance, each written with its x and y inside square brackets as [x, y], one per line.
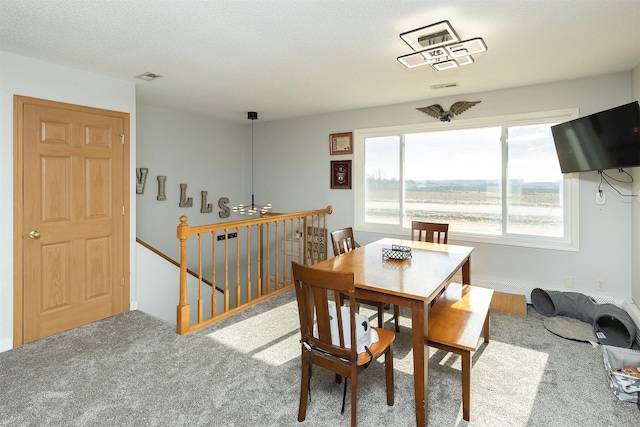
[291, 58]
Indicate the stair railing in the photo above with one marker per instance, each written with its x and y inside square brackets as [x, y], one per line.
[232, 276]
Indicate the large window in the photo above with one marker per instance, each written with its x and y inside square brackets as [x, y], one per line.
[492, 180]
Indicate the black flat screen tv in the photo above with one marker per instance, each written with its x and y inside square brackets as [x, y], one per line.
[609, 139]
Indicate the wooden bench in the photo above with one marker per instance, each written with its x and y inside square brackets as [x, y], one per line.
[457, 320]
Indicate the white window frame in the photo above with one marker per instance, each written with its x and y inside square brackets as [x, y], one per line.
[570, 189]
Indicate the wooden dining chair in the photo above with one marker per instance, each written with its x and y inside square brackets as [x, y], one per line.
[433, 232]
[342, 242]
[430, 232]
[314, 291]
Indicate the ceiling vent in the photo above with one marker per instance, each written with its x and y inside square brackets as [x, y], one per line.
[148, 76]
[445, 85]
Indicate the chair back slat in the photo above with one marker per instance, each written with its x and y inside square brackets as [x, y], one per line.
[343, 241]
[429, 232]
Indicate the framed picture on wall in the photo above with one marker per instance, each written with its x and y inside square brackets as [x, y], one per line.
[341, 143]
[341, 174]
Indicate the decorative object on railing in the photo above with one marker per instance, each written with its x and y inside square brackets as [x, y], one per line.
[456, 109]
[397, 252]
[240, 263]
[439, 46]
[252, 208]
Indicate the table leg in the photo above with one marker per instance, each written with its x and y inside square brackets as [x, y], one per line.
[466, 272]
[419, 320]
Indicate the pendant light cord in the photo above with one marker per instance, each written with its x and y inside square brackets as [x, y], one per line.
[252, 171]
[252, 208]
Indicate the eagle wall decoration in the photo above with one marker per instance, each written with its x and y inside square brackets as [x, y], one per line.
[456, 109]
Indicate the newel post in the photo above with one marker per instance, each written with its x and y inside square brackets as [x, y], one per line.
[182, 319]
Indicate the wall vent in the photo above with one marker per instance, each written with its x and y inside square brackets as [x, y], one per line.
[445, 85]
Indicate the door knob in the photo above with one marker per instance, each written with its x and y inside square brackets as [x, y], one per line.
[34, 234]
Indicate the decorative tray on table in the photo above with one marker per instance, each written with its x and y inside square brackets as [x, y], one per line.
[396, 252]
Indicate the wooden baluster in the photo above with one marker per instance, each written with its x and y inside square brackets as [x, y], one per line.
[315, 239]
[276, 278]
[284, 253]
[249, 293]
[214, 296]
[324, 227]
[300, 241]
[259, 261]
[182, 321]
[268, 258]
[226, 272]
[305, 239]
[199, 277]
[238, 288]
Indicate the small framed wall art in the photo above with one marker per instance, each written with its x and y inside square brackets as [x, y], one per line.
[341, 174]
[341, 143]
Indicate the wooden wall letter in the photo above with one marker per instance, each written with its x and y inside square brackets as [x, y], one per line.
[141, 180]
[204, 207]
[222, 204]
[161, 194]
[184, 201]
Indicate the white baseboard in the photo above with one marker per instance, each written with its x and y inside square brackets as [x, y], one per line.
[6, 344]
[526, 288]
[133, 305]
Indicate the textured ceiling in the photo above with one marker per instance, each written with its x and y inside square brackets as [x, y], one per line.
[291, 58]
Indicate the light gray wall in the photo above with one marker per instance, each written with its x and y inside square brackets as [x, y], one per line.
[292, 161]
[28, 77]
[635, 260]
[205, 154]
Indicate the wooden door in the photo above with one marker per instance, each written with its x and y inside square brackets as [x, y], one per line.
[74, 230]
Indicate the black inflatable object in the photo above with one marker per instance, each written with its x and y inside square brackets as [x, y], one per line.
[617, 326]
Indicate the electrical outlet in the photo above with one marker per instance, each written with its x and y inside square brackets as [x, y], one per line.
[568, 281]
[600, 284]
[600, 197]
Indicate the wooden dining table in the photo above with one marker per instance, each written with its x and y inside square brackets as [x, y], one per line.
[413, 283]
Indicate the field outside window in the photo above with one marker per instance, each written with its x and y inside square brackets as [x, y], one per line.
[501, 182]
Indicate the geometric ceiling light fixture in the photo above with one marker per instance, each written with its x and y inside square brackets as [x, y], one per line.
[252, 208]
[439, 46]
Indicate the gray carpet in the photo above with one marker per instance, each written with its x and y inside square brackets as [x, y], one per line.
[132, 369]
